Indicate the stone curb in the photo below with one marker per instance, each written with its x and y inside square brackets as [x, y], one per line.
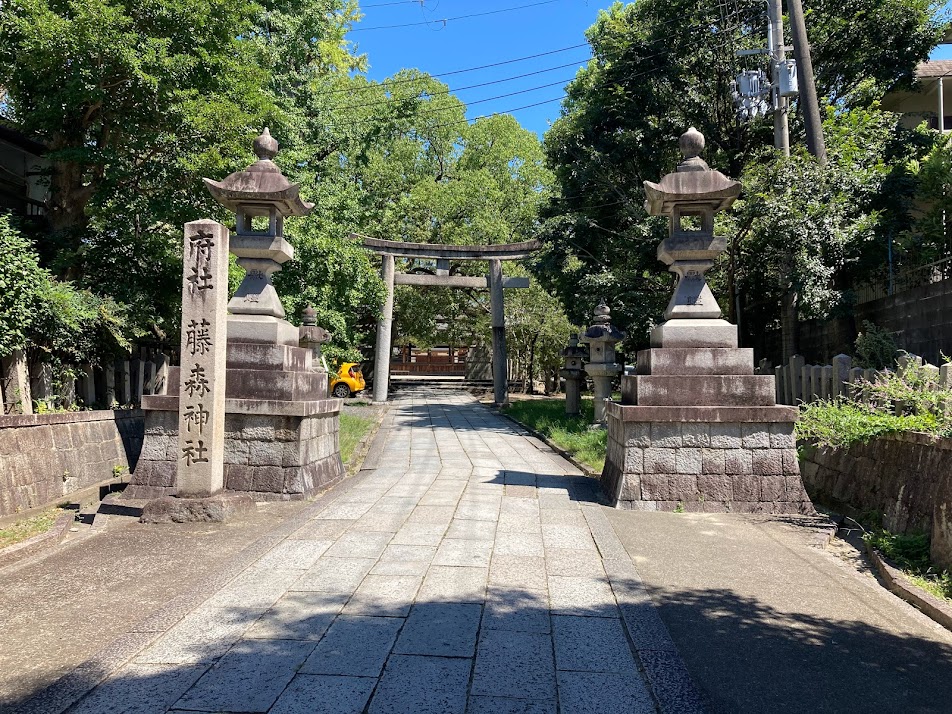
[896, 582]
[661, 663]
[38, 543]
[587, 470]
[74, 685]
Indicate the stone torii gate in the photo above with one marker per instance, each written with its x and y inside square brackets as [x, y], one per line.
[443, 255]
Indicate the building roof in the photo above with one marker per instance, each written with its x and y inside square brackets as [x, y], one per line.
[934, 68]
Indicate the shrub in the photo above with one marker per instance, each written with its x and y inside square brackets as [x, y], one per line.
[21, 282]
[875, 347]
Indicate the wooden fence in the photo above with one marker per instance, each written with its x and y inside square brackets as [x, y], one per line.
[798, 382]
[29, 388]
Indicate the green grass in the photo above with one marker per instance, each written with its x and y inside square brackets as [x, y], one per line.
[547, 416]
[352, 430]
[911, 554]
[28, 527]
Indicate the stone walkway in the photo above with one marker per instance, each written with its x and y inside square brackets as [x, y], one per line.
[468, 568]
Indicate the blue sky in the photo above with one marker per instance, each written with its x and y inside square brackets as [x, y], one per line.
[476, 41]
[539, 26]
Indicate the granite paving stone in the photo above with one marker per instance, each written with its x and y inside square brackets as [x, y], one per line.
[387, 595]
[514, 664]
[324, 694]
[141, 689]
[440, 629]
[361, 544]
[528, 573]
[446, 583]
[202, 636]
[469, 553]
[422, 685]
[603, 693]
[581, 596]
[591, 644]
[517, 610]
[249, 678]
[341, 575]
[354, 646]
[298, 616]
[501, 705]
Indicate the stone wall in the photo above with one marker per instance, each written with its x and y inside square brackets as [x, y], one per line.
[906, 477]
[705, 466]
[271, 456]
[44, 457]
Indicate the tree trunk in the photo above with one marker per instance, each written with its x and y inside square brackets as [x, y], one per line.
[532, 346]
[788, 323]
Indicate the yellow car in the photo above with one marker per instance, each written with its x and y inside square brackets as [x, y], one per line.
[348, 381]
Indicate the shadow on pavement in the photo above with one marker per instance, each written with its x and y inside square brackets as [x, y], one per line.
[750, 657]
[510, 653]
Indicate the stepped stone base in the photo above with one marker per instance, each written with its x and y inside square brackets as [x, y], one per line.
[698, 430]
[281, 432]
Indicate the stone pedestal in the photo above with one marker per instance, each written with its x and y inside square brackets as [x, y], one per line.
[698, 429]
[281, 432]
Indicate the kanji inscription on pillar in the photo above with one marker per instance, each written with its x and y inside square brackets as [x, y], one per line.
[201, 430]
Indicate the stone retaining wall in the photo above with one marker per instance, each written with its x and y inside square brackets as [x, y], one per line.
[906, 477]
[44, 457]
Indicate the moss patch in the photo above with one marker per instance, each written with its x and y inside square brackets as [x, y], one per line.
[28, 527]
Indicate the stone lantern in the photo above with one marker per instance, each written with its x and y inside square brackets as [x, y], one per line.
[690, 197]
[572, 372]
[312, 337]
[261, 198]
[280, 432]
[602, 368]
[696, 429]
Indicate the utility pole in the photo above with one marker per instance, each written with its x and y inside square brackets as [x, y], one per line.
[775, 41]
[808, 99]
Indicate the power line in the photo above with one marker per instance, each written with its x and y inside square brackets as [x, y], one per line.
[449, 91]
[446, 20]
[395, 2]
[387, 83]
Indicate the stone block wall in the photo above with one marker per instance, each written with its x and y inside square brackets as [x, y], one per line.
[271, 456]
[711, 467]
[906, 477]
[45, 457]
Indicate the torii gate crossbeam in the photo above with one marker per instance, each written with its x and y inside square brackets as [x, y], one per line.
[443, 254]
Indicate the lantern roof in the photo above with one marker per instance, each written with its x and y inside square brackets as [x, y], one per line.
[261, 184]
[693, 184]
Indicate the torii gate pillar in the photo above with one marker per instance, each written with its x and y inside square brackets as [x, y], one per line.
[500, 359]
[384, 332]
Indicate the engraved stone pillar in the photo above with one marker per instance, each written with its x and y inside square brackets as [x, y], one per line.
[16, 383]
[312, 336]
[201, 420]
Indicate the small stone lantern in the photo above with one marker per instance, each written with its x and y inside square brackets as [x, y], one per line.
[572, 372]
[312, 337]
[260, 192]
[602, 368]
[690, 197]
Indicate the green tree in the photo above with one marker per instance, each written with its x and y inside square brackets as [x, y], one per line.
[653, 75]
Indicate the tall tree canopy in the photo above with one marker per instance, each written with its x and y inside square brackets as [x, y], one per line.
[660, 66]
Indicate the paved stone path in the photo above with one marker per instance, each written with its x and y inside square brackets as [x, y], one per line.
[470, 570]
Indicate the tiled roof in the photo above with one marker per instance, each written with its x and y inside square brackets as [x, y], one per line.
[934, 68]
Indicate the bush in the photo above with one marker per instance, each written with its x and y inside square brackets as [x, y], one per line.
[905, 400]
[21, 282]
[875, 347]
